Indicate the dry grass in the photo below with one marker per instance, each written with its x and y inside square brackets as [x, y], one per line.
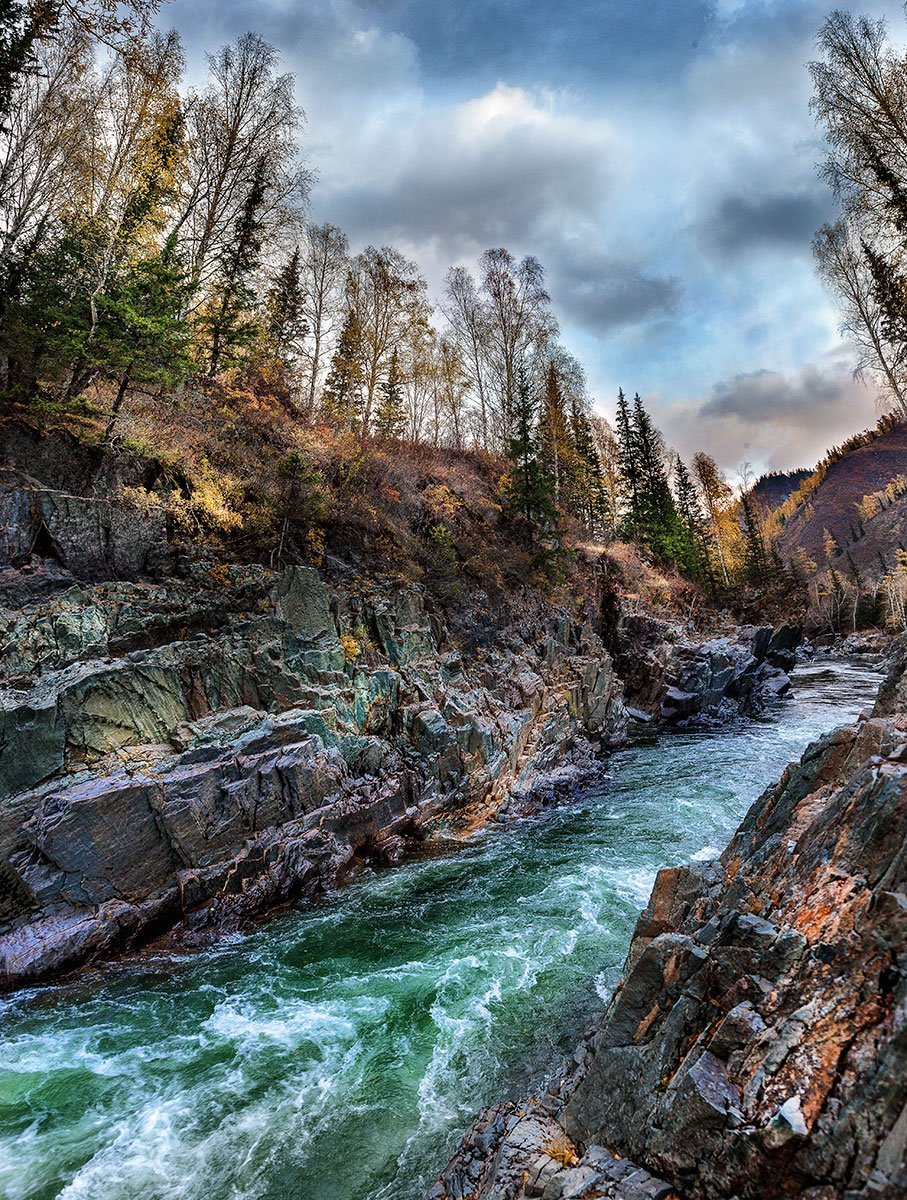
[561, 1149]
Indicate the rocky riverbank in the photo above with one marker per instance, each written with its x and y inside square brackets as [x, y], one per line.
[234, 769]
[187, 742]
[757, 1046]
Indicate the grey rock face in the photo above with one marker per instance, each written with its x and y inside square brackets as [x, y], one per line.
[182, 753]
[678, 681]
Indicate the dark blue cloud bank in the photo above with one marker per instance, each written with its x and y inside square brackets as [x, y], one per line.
[659, 158]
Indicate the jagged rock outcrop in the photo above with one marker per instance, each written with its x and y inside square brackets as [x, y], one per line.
[680, 681]
[193, 751]
[757, 1046]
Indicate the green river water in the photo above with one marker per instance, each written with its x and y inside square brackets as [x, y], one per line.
[335, 1053]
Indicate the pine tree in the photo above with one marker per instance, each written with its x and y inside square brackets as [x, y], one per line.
[658, 521]
[755, 559]
[341, 400]
[554, 435]
[143, 336]
[587, 479]
[692, 551]
[530, 487]
[20, 26]
[390, 415]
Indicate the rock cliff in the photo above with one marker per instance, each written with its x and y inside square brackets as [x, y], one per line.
[192, 751]
[757, 1046]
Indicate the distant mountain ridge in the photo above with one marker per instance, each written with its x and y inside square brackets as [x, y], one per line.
[850, 513]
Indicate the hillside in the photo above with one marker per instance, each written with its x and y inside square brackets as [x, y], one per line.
[772, 490]
[850, 515]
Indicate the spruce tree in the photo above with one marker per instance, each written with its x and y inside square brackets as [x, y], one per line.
[530, 487]
[554, 435]
[755, 559]
[658, 521]
[390, 415]
[285, 321]
[341, 400]
[229, 325]
[588, 480]
[628, 462]
[692, 550]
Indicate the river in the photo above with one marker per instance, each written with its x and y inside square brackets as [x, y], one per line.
[335, 1053]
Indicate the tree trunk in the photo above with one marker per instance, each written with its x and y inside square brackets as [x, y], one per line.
[118, 403]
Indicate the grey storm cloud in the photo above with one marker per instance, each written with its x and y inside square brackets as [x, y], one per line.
[773, 419]
[603, 292]
[771, 396]
[741, 223]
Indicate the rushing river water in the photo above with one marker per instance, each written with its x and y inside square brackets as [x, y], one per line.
[333, 1054]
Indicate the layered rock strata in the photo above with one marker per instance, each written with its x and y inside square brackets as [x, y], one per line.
[188, 753]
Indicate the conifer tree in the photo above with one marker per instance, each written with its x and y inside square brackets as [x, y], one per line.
[692, 553]
[588, 483]
[341, 400]
[657, 513]
[143, 336]
[390, 415]
[554, 434]
[755, 559]
[285, 321]
[628, 462]
[530, 488]
[228, 324]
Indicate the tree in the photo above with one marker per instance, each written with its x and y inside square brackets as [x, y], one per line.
[717, 496]
[860, 99]
[470, 326]
[42, 145]
[657, 513]
[242, 134]
[390, 415]
[144, 336]
[554, 437]
[609, 462]
[529, 486]
[285, 322]
[389, 296]
[228, 326]
[341, 400]
[26, 26]
[755, 558]
[848, 271]
[324, 271]
[518, 321]
[628, 460]
[692, 548]
[452, 389]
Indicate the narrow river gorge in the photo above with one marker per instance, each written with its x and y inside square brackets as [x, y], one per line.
[335, 1053]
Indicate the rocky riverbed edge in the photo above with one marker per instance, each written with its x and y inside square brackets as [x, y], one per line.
[757, 1044]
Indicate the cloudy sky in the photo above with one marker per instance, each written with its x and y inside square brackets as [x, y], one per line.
[657, 156]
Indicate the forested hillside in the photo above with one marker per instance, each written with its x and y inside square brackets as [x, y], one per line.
[163, 293]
